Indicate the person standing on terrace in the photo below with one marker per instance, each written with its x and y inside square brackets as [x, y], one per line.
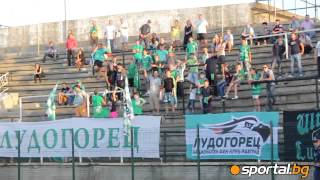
[228, 39]
[124, 33]
[145, 31]
[187, 33]
[94, 34]
[245, 55]
[248, 32]
[175, 33]
[202, 27]
[71, 46]
[296, 50]
[110, 34]
[267, 75]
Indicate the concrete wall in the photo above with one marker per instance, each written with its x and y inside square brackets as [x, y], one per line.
[23, 37]
[123, 172]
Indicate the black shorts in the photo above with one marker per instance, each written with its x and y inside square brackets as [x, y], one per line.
[201, 36]
[221, 59]
[98, 63]
[131, 82]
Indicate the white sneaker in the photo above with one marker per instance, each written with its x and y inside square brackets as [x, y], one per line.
[236, 97]
[290, 76]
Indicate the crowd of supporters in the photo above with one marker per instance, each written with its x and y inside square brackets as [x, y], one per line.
[158, 68]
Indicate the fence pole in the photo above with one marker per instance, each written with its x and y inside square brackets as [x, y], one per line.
[88, 105]
[317, 92]
[132, 154]
[123, 58]
[286, 44]
[165, 147]
[198, 152]
[73, 161]
[272, 153]
[183, 101]
[19, 155]
[224, 106]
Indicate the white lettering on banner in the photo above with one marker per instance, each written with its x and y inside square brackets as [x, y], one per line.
[92, 138]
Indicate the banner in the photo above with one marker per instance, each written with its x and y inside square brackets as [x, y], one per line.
[298, 128]
[243, 135]
[92, 138]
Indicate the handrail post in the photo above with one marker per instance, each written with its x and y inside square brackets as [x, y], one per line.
[286, 44]
[198, 152]
[223, 106]
[132, 154]
[317, 92]
[123, 58]
[73, 160]
[183, 101]
[19, 154]
[88, 105]
[272, 150]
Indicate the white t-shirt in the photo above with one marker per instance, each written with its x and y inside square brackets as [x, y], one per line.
[202, 26]
[124, 29]
[109, 31]
[318, 48]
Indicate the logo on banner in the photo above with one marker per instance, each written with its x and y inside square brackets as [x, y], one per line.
[240, 136]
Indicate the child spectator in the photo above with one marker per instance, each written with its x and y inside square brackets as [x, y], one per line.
[296, 50]
[98, 102]
[193, 69]
[50, 52]
[267, 75]
[226, 80]
[154, 42]
[192, 47]
[175, 33]
[163, 54]
[137, 103]
[248, 32]
[278, 52]
[245, 55]
[192, 99]
[99, 56]
[204, 56]
[206, 97]
[137, 50]
[255, 88]
[278, 28]
[120, 78]
[81, 60]
[235, 82]
[62, 95]
[112, 72]
[202, 80]
[132, 71]
[187, 33]
[155, 84]
[71, 45]
[114, 100]
[38, 73]
[80, 101]
[168, 84]
[228, 39]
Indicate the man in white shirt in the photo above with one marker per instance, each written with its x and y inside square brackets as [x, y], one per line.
[202, 26]
[124, 33]
[110, 34]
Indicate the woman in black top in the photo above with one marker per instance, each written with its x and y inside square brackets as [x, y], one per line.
[37, 73]
[187, 33]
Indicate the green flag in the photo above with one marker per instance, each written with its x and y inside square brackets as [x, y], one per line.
[51, 105]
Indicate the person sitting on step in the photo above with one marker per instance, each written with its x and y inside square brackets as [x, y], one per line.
[50, 52]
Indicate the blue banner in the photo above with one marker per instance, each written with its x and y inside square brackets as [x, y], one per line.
[239, 135]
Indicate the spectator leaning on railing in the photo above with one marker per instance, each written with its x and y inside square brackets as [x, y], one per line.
[267, 75]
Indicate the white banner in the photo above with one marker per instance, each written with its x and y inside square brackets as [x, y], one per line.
[92, 138]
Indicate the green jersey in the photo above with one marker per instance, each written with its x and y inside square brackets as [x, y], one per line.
[99, 54]
[244, 52]
[192, 47]
[139, 49]
[132, 69]
[98, 110]
[193, 61]
[256, 87]
[146, 62]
